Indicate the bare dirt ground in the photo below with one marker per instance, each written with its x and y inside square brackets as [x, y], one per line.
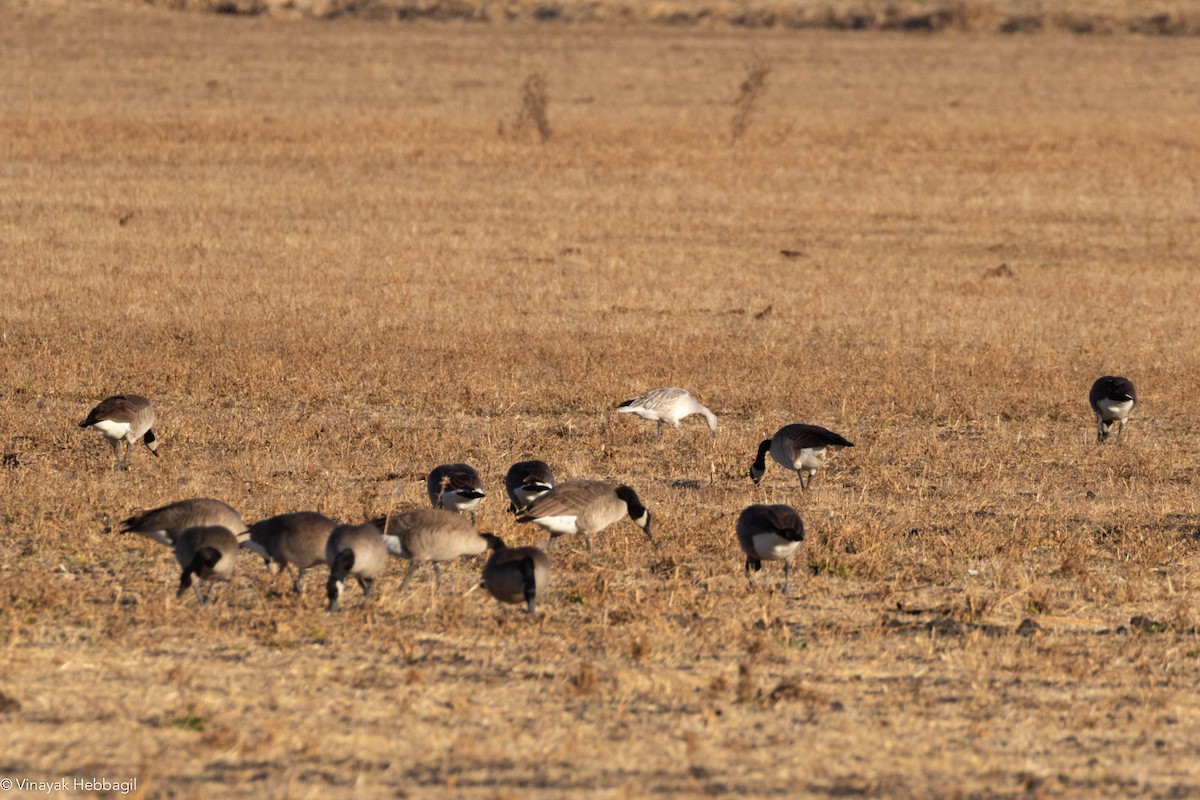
[338, 254]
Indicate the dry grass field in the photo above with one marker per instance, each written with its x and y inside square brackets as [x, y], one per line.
[338, 254]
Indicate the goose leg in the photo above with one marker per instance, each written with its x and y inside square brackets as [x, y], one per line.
[529, 585]
[412, 567]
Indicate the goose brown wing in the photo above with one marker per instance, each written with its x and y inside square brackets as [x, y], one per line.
[779, 518]
[1111, 387]
[567, 498]
[524, 473]
[118, 408]
[804, 436]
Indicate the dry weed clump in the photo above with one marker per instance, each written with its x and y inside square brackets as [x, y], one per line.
[749, 92]
[534, 111]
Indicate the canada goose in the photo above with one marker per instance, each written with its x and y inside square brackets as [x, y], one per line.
[294, 539]
[353, 550]
[1111, 398]
[586, 507]
[770, 533]
[431, 535]
[166, 523]
[525, 482]
[455, 487]
[668, 405]
[804, 448]
[207, 552]
[124, 418]
[516, 575]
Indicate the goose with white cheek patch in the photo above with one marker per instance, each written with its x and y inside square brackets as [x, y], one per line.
[209, 553]
[586, 507]
[353, 551]
[1111, 399]
[769, 533]
[668, 406]
[124, 418]
[455, 487]
[525, 482]
[800, 447]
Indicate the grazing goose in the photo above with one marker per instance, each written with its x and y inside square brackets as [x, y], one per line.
[525, 482]
[294, 539]
[1111, 398]
[455, 487]
[431, 535]
[804, 448]
[667, 405]
[769, 533]
[124, 418]
[207, 552]
[353, 551]
[166, 523]
[516, 575]
[586, 507]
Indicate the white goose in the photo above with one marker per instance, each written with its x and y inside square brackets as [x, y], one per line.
[668, 405]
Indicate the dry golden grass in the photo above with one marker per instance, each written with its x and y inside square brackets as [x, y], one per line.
[313, 248]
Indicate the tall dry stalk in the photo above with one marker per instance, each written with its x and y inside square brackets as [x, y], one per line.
[750, 90]
[534, 104]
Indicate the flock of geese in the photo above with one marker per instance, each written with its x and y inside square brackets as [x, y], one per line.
[206, 535]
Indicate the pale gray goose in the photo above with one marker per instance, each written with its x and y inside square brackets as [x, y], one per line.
[668, 405]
